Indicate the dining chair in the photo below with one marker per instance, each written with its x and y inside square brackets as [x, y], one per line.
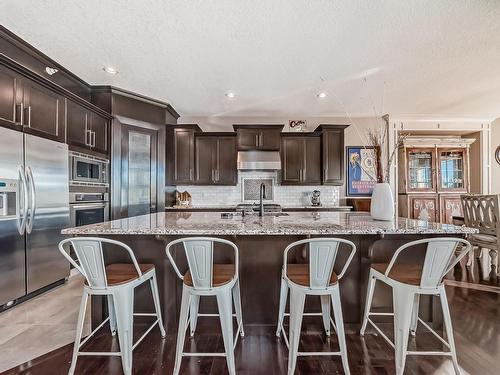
[482, 212]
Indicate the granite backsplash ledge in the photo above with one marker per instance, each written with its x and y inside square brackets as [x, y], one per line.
[287, 196]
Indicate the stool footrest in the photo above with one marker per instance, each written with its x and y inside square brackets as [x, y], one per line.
[303, 354]
[194, 354]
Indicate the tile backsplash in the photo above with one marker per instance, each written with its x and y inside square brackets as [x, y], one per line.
[287, 196]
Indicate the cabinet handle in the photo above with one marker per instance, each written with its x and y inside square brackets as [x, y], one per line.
[21, 113]
[261, 141]
[93, 139]
[190, 173]
[217, 174]
[257, 140]
[213, 175]
[29, 116]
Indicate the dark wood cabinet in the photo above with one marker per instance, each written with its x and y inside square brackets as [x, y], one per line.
[332, 148]
[9, 107]
[258, 137]
[99, 127]
[77, 119]
[86, 129]
[215, 160]
[301, 160]
[44, 111]
[183, 162]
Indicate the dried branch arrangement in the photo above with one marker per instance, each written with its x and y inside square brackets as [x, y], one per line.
[377, 139]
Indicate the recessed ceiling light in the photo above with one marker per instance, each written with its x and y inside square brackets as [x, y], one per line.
[322, 95]
[110, 70]
[230, 95]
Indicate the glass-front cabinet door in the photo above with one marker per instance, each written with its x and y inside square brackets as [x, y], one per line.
[420, 169]
[452, 170]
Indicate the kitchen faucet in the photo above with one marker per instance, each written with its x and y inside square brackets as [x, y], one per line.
[262, 196]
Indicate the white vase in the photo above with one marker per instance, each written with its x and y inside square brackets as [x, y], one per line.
[382, 205]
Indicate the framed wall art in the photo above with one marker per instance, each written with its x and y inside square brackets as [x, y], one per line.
[361, 173]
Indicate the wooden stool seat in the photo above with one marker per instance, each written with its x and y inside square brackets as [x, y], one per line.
[404, 273]
[299, 274]
[221, 275]
[122, 273]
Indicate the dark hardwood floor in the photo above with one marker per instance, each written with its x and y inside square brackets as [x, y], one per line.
[476, 319]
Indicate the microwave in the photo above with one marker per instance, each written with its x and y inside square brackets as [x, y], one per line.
[88, 170]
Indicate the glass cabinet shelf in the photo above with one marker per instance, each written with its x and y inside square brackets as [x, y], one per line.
[452, 170]
[420, 170]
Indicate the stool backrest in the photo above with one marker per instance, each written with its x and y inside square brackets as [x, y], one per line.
[200, 257]
[482, 212]
[89, 252]
[322, 255]
[440, 258]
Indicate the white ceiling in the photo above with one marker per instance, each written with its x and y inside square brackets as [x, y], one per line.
[412, 57]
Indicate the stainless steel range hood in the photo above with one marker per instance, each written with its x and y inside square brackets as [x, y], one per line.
[259, 160]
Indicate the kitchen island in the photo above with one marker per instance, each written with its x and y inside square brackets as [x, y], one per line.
[261, 242]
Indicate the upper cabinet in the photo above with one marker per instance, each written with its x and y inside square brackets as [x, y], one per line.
[87, 129]
[258, 137]
[35, 105]
[434, 165]
[332, 149]
[215, 157]
[9, 109]
[31, 107]
[301, 160]
[183, 156]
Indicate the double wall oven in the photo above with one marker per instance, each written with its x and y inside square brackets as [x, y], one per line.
[89, 185]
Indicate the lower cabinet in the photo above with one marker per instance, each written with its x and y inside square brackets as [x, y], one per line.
[430, 207]
[450, 205]
[215, 160]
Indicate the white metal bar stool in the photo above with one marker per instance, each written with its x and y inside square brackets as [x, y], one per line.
[408, 282]
[117, 282]
[204, 278]
[317, 279]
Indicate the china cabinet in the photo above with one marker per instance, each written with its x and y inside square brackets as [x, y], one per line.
[434, 171]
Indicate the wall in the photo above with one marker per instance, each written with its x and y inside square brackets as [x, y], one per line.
[287, 196]
[495, 167]
[354, 134]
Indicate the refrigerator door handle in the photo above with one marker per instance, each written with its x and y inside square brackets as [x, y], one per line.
[22, 220]
[29, 226]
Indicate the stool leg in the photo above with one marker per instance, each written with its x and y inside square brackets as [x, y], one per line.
[224, 303]
[181, 333]
[368, 303]
[237, 307]
[156, 299]
[325, 309]
[414, 315]
[297, 299]
[79, 329]
[123, 299]
[339, 323]
[193, 313]
[403, 299]
[449, 328]
[112, 315]
[281, 313]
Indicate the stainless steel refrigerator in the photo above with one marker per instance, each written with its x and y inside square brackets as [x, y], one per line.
[34, 207]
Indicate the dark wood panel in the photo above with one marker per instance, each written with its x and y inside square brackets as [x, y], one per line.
[269, 139]
[292, 154]
[226, 171]
[77, 118]
[312, 165]
[205, 155]
[248, 139]
[183, 162]
[258, 137]
[333, 157]
[44, 112]
[100, 129]
[9, 114]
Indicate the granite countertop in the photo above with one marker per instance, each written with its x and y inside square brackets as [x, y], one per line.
[295, 223]
[229, 208]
